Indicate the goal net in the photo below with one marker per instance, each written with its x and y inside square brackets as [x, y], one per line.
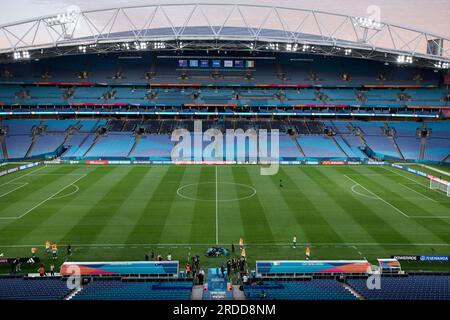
[439, 184]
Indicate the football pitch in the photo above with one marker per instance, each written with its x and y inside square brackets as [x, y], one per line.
[121, 212]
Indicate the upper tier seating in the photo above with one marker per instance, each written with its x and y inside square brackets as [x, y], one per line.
[417, 287]
[323, 289]
[117, 290]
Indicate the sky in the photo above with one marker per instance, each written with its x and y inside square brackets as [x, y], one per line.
[428, 15]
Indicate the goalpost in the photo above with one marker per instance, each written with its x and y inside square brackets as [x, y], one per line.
[439, 184]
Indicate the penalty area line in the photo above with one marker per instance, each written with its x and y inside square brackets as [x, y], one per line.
[44, 201]
[379, 198]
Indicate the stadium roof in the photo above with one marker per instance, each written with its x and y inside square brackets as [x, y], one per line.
[222, 27]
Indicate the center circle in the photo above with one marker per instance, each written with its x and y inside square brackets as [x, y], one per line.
[220, 191]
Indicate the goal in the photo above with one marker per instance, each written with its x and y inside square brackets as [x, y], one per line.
[439, 184]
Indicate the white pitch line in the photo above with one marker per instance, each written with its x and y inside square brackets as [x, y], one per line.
[379, 198]
[217, 211]
[402, 175]
[417, 192]
[24, 175]
[44, 201]
[21, 186]
[415, 182]
[430, 217]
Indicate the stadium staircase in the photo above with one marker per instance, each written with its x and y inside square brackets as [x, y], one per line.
[238, 294]
[339, 147]
[97, 139]
[298, 145]
[353, 292]
[30, 149]
[397, 147]
[423, 142]
[3, 147]
[137, 138]
[73, 293]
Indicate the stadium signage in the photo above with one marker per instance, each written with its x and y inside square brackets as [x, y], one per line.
[435, 258]
[333, 162]
[422, 258]
[97, 162]
[20, 168]
[20, 260]
[405, 258]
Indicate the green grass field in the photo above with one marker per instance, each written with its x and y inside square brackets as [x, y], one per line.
[121, 212]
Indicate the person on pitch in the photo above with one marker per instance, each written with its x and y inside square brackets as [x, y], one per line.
[294, 242]
[54, 251]
[241, 243]
[47, 246]
[307, 253]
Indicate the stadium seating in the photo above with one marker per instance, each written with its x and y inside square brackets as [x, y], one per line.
[117, 290]
[153, 143]
[47, 144]
[157, 147]
[79, 145]
[383, 146]
[320, 147]
[32, 289]
[111, 146]
[437, 149]
[412, 287]
[323, 289]
[18, 145]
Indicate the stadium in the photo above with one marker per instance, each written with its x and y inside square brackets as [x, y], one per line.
[223, 152]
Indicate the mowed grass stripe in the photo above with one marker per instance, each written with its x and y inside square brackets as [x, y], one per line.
[96, 200]
[366, 212]
[38, 189]
[409, 228]
[230, 222]
[299, 195]
[50, 219]
[421, 186]
[253, 216]
[13, 231]
[275, 206]
[203, 228]
[132, 212]
[406, 200]
[417, 205]
[327, 210]
[178, 225]
[149, 226]
[116, 222]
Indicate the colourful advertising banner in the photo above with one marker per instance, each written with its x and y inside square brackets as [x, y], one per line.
[168, 268]
[305, 266]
